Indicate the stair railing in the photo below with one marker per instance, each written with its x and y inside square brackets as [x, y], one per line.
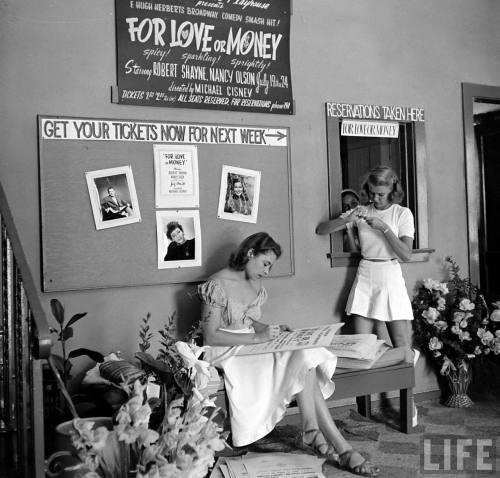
[24, 343]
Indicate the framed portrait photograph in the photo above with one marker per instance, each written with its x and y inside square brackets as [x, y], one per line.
[239, 194]
[113, 197]
[179, 238]
[176, 176]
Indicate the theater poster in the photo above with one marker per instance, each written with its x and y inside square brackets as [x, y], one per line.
[222, 55]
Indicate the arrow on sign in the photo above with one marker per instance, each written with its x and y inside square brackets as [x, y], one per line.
[278, 135]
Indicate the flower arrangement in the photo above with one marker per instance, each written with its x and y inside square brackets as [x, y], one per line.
[180, 443]
[453, 322]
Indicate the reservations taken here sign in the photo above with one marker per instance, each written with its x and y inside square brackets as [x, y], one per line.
[229, 55]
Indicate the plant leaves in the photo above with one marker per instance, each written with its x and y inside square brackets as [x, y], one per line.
[94, 355]
[57, 310]
[58, 362]
[148, 360]
[75, 318]
[67, 333]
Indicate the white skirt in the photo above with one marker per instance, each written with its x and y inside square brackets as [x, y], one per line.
[379, 292]
[260, 387]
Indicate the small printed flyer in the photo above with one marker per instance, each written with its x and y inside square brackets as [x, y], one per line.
[176, 176]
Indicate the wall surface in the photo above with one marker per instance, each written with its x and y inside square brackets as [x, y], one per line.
[58, 58]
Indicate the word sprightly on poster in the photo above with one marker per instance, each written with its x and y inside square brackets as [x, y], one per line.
[225, 55]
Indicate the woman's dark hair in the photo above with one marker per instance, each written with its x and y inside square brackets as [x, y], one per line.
[171, 227]
[384, 176]
[259, 243]
[346, 192]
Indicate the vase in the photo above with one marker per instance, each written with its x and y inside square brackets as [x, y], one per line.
[65, 456]
[459, 381]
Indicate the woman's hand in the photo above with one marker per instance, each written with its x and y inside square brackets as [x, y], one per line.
[264, 333]
[376, 223]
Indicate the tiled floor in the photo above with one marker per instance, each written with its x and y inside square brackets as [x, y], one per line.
[448, 442]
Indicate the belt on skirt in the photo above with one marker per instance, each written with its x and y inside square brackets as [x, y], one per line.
[380, 260]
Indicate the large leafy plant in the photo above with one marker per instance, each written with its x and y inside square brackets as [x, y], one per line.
[65, 332]
[169, 365]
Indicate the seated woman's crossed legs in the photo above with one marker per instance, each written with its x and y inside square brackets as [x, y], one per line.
[321, 435]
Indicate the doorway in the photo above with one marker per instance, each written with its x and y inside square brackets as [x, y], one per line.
[481, 110]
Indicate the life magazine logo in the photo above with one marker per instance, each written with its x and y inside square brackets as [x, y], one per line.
[460, 455]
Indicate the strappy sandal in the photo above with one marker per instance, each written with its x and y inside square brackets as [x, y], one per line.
[365, 468]
[319, 445]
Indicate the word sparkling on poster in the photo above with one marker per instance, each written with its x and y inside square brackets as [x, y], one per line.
[231, 55]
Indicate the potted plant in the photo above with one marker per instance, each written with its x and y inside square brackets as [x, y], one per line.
[453, 325]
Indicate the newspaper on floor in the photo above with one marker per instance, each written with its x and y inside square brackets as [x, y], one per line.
[269, 465]
[321, 336]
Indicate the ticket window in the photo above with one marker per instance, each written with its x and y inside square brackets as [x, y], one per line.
[350, 158]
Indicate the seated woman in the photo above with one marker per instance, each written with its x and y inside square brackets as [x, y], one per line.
[259, 387]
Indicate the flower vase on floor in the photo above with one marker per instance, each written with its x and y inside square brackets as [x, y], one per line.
[459, 381]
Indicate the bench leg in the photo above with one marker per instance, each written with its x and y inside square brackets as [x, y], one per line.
[364, 403]
[406, 409]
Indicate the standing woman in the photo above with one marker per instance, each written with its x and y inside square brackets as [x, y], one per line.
[386, 231]
[259, 387]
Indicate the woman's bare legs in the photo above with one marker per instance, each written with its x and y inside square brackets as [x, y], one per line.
[315, 414]
[400, 333]
[362, 325]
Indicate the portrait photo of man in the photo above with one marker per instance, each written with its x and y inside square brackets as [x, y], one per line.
[113, 197]
[114, 207]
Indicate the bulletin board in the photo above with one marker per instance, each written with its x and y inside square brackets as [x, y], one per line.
[76, 255]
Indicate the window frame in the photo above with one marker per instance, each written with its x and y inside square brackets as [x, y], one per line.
[339, 258]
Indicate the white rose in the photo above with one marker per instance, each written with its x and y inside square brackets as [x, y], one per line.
[431, 314]
[435, 344]
[466, 304]
[441, 303]
[441, 325]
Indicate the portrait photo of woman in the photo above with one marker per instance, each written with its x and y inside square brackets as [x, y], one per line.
[239, 194]
[179, 239]
[237, 198]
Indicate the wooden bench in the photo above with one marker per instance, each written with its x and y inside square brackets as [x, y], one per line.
[362, 383]
[393, 371]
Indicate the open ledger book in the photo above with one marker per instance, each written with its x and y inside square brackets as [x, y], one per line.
[364, 363]
[322, 336]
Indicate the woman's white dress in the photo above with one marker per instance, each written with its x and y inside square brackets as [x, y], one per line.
[259, 387]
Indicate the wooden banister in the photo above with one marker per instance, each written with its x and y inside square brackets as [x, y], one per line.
[42, 342]
[25, 341]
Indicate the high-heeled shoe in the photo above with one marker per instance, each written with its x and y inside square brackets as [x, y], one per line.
[363, 468]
